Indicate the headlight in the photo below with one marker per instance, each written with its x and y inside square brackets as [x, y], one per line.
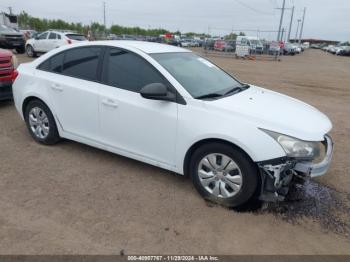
[295, 147]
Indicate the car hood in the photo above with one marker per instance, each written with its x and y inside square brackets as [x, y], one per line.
[11, 33]
[273, 111]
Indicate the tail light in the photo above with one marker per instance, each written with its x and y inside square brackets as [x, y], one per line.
[14, 75]
[69, 41]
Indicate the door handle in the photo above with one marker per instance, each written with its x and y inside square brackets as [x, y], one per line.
[110, 103]
[56, 87]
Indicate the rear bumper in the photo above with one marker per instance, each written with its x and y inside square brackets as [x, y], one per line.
[319, 169]
[6, 91]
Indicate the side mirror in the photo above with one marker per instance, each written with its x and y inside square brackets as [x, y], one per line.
[157, 91]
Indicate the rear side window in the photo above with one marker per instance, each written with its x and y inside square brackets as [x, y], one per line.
[76, 37]
[52, 36]
[129, 71]
[53, 64]
[82, 62]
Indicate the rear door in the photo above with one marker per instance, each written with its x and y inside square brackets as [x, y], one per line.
[52, 42]
[74, 91]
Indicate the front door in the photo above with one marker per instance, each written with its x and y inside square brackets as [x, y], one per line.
[129, 122]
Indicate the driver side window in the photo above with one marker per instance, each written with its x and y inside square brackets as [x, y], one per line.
[42, 36]
[129, 71]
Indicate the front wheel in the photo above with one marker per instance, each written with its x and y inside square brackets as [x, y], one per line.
[223, 174]
[30, 51]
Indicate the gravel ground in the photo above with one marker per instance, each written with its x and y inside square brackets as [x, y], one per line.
[74, 199]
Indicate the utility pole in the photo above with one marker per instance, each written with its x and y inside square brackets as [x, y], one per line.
[104, 18]
[282, 34]
[290, 24]
[296, 33]
[281, 21]
[302, 26]
[104, 13]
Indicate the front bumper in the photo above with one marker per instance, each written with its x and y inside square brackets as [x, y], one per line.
[319, 169]
[278, 174]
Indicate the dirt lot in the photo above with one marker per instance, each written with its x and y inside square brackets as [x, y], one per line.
[74, 199]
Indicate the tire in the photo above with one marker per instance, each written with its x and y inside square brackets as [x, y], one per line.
[21, 50]
[30, 51]
[245, 168]
[48, 134]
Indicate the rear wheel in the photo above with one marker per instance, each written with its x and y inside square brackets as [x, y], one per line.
[41, 123]
[223, 174]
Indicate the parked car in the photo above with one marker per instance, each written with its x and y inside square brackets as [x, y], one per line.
[8, 73]
[27, 34]
[289, 49]
[254, 43]
[275, 48]
[344, 51]
[209, 44]
[51, 39]
[223, 46]
[171, 108]
[11, 39]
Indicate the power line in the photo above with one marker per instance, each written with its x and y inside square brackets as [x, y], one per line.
[252, 8]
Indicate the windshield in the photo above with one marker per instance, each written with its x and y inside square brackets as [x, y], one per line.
[196, 74]
[4, 28]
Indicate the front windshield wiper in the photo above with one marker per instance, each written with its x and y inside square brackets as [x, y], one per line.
[237, 89]
[232, 91]
[212, 95]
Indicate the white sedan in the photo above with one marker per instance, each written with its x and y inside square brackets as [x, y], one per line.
[50, 40]
[171, 108]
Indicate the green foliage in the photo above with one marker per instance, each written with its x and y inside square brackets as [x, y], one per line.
[121, 30]
[26, 21]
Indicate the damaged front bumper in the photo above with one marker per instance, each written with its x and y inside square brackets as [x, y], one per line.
[278, 174]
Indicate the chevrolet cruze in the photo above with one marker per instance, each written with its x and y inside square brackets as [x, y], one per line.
[171, 108]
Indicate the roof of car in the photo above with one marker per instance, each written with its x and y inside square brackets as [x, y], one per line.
[146, 47]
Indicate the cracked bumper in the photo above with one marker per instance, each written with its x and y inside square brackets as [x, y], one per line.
[319, 169]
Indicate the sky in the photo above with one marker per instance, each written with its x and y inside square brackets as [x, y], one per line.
[324, 19]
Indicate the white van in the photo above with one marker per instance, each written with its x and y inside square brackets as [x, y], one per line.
[254, 43]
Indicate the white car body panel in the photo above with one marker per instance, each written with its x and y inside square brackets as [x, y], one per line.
[159, 132]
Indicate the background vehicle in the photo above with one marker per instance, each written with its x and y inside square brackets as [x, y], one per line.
[289, 49]
[274, 48]
[51, 39]
[254, 43]
[11, 39]
[209, 44]
[8, 73]
[171, 94]
[223, 46]
[28, 34]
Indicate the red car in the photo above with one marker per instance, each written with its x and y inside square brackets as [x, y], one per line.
[222, 45]
[8, 74]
